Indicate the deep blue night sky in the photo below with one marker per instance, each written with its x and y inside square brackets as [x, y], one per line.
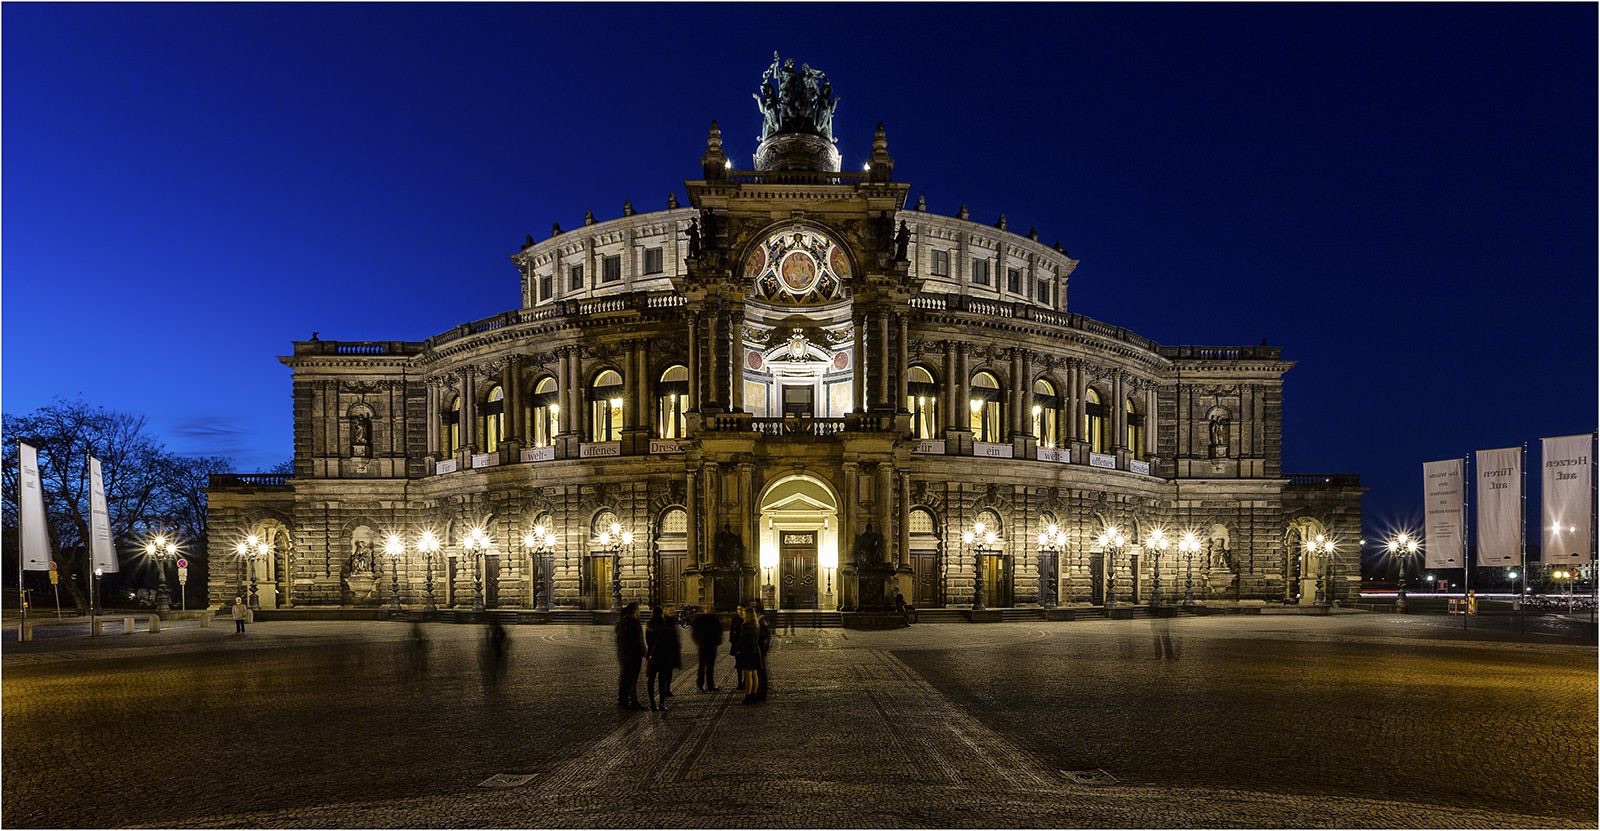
[1403, 197]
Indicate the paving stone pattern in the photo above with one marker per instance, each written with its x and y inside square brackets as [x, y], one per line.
[1362, 720]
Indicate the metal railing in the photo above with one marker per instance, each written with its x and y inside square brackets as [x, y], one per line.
[798, 426]
[1345, 480]
[248, 480]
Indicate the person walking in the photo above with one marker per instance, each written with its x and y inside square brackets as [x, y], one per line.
[630, 652]
[736, 626]
[707, 634]
[661, 655]
[748, 659]
[239, 612]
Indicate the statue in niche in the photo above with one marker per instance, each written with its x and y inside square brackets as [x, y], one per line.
[902, 241]
[361, 558]
[1219, 429]
[869, 547]
[361, 436]
[728, 548]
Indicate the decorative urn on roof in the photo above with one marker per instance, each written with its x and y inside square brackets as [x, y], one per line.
[796, 119]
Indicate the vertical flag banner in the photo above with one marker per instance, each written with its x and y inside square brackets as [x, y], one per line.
[35, 527]
[1500, 507]
[105, 555]
[1443, 491]
[1567, 478]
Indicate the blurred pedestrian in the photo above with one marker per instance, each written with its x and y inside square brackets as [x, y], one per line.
[239, 612]
[707, 633]
[736, 626]
[764, 640]
[494, 652]
[748, 658]
[662, 655]
[417, 651]
[630, 652]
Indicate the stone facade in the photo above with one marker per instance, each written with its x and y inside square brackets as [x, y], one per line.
[797, 381]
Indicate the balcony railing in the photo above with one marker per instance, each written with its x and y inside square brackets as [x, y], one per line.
[1337, 480]
[365, 347]
[798, 426]
[247, 480]
[796, 177]
[611, 304]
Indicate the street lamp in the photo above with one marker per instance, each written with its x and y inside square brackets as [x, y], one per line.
[161, 550]
[1158, 542]
[1401, 545]
[612, 541]
[252, 549]
[394, 548]
[541, 543]
[1112, 541]
[829, 560]
[1189, 545]
[1052, 540]
[1564, 574]
[476, 542]
[1323, 547]
[979, 540]
[428, 544]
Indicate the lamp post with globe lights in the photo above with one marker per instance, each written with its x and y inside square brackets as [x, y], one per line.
[1189, 544]
[979, 540]
[161, 550]
[1111, 541]
[1401, 546]
[1323, 547]
[252, 549]
[1157, 542]
[428, 545]
[1052, 540]
[612, 541]
[541, 545]
[394, 547]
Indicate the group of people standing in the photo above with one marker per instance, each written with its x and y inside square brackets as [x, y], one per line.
[657, 648]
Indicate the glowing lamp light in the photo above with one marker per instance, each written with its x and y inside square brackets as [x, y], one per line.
[990, 538]
[241, 549]
[428, 542]
[616, 402]
[627, 538]
[393, 546]
[616, 528]
[605, 537]
[977, 404]
[769, 557]
[966, 537]
[528, 539]
[829, 557]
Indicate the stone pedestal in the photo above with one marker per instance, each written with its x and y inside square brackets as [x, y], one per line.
[361, 590]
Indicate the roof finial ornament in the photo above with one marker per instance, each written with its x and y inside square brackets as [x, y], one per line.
[588, 217]
[672, 200]
[963, 213]
[713, 163]
[714, 138]
[922, 203]
[1002, 223]
[627, 207]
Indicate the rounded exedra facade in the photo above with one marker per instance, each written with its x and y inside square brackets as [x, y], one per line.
[800, 387]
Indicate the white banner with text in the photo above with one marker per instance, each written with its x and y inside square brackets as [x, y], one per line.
[105, 555]
[1442, 491]
[35, 527]
[1500, 507]
[1567, 498]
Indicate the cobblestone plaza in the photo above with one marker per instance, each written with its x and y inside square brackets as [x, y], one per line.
[1348, 720]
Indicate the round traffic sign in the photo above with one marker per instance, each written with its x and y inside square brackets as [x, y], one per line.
[183, 563]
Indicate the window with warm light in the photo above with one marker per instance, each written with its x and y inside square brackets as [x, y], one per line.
[985, 405]
[1046, 414]
[543, 409]
[922, 400]
[672, 394]
[452, 426]
[1096, 429]
[494, 419]
[605, 414]
[1135, 431]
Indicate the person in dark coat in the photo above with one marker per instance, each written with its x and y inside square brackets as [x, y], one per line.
[630, 652]
[735, 626]
[707, 631]
[765, 642]
[662, 653]
[748, 658]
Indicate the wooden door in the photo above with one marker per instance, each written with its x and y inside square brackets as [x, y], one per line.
[669, 577]
[1097, 578]
[491, 580]
[997, 580]
[797, 569]
[925, 579]
[599, 582]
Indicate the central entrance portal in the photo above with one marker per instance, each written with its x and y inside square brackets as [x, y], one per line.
[800, 537]
[797, 567]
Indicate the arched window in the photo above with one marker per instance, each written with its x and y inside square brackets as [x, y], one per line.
[1046, 414]
[605, 413]
[452, 426]
[922, 400]
[543, 410]
[1096, 431]
[1135, 431]
[985, 406]
[672, 394]
[494, 419]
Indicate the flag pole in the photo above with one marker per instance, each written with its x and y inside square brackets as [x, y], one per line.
[88, 563]
[1522, 596]
[22, 537]
[1466, 551]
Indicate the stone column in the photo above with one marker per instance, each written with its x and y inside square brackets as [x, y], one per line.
[691, 507]
[1074, 400]
[713, 369]
[1119, 412]
[694, 363]
[1019, 419]
[1151, 446]
[858, 377]
[1025, 393]
[902, 364]
[947, 396]
[963, 407]
[469, 409]
[881, 362]
[511, 401]
[432, 404]
[641, 363]
[736, 360]
[849, 519]
[903, 515]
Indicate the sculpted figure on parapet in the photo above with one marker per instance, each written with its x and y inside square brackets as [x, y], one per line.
[795, 100]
